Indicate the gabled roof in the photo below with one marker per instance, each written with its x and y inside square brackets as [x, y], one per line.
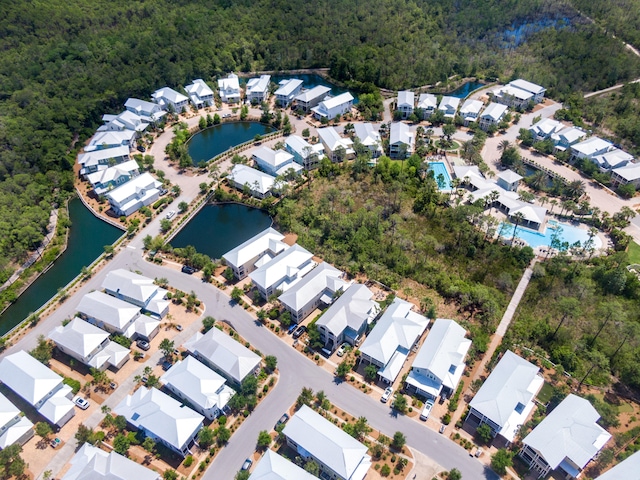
[287, 87]
[229, 83]
[224, 353]
[267, 240]
[338, 100]
[275, 158]
[471, 107]
[299, 144]
[449, 103]
[312, 94]
[113, 173]
[57, 408]
[614, 158]
[398, 329]
[329, 444]
[8, 411]
[531, 213]
[78, 336]
[168, 94]
[332, 139]
[509, 176]
[354, 307]
[367, 134]
[546, 127]
[569, 431]
[512, 382]
[400, 133]
[258, 85]
[143, 182]
[111, 137]
[28, 377]
[200, 88]
[142, 106]
[629, 172]
[570, 134]
[592, 146]
[527, 86]
[285, 265]
[512, 92]
[199, 383]
[16, 432]
[406, 97]
[107, 309]
[160, 414]
[427, 101]
[322, 278]
[258, 181]
[494, 111]
[274, 467]
[628, 469]
[95, 156]
[91, 463]
[130, 284]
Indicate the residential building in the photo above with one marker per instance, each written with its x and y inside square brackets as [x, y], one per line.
[288, 90]
[303, 152]
[336, 148]
[223, 354]
[439, 364]
[470, 111]
[401, 140]
[203, 388]
[511, 96]
[137, 290]
[347, 319]
[628, 469]
[14, 426]
[259, 183]
[89, 345]
[39, 386]
[200, 94]
[229, 89]
[567, 137]
[126, 120]
[117, 316]
[316, 289]
[614, 158]
[150, 112]
[536, 90]
[449, 106]
[630, 173]
[95, 160]
[271, 161]
[282, 272]
[92, 463]
[509, 180]
[566, 440]
[138, 192]
[428, 103]
[274, 467]
[369, 137]
[169, 99]
[106, 180]
[333, 107]
[256, 251]
[506, 398]
[405, 103]
[162, 418]
[388, 345]
[338, 454]
[111, 139]
[492, 115]
[257, 90]
[545, 128]
[308, 99]
[590, 148]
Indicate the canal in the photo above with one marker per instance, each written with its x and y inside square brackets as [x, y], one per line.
[216, 229]
[87, 237]
[208, 143]
[465, 89]
[311, 80]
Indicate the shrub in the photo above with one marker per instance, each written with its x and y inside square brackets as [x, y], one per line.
[188, 461]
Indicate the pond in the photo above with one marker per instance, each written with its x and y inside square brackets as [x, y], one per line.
[208, 143]
[87, 238]
[465, 89]
[218, 228]
[313, 80]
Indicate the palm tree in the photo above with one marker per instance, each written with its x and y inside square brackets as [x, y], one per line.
[493, 196]
[575, 189]
[627, 213]
[468, 150]
[504, 145]
[553, 202]
[518, 217]
[538, 180]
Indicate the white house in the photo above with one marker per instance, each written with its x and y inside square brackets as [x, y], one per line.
[334, 144]
[511, 96]
[332, 107]
[347, 319]
[222, 353]
[310, 98]
[287, 91]
[271, 161]
[38, 386]
[630, 173]
[590, 148]
[138, 192]
[92, 463]
[567, 137]
[536, 90]
[545, 128]
[162, 418]
[389, 343]
[449, 106]
[282, 272]
[492, 115]
[111, 139]
[262, 247]
[117, 316]
[303, 152]
[112, 177]
[137, 290]
[193, 381]
[200, 93]
[438, 366]
[614, 158]
[369, 137]
[627, 469]
[260, 184]
[401, 140]
[89, 345]
[14, 426]
[150, 112]
[406, 103]
[170, 99]
[470, 111]
[427, 102]
[505, 400]
[274, 467]
[229, 89]
[566, 440]
[126, 120]
[339, 455]
[258, 89]
[316, 288]
[95, 160]
[509, 180]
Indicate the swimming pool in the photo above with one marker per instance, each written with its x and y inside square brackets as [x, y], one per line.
[568, 235]
[444, 183]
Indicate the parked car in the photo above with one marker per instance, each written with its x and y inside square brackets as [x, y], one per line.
[386, 395]
[341, 349]
[81, 402]
[163, 191]
[166, 365]
[299, 331]
[478, 452]
[143, 345]
[188, 270]
[283, 419]
[113, 385]
[141, 148]
[170, 214]
[442, 427]
[291, 328]
[179, 328]
[247, 464]
[426, 410]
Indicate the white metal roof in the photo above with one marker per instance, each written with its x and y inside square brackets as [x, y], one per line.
[546, 127]
[400, 133]
[200, 88]
[169, 94]
[513, 92]
[78, 336]
[111, 137]
[258, 181]
[494, 111]
[92, 463]
[137, 185]
[274, 467]
[449, 103]
[15, 432]
[258, 85]
[95, 156]
[142, 107]
[628, 469]
[527, 86]
[471, 107]
[592, 146]
[8, 411]
[112, 173]
[336, 101]
[28, 377]
[367, 134]
[322, 278]
[406, 97]
[299, 145]
[427, 101]
[332, 139]
[288, 267]
[570, 134]
[107, 309]
[328, 443]
[629, 172]
[287, 87]
[130, 284]
[56, 409]
[267, 240]
[316, 92]
[275, 158]
[509, 176]
[354, 307]
[569, 431]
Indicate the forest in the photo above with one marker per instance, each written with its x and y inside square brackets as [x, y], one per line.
[66, 63]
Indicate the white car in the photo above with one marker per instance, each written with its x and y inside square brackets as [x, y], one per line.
[386, 395]
[170, 214]
[81, 402]
[342, 349]
[426, 410]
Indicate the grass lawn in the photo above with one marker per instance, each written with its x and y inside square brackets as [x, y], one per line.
[634, 252]
[454, 145]
[545, 393]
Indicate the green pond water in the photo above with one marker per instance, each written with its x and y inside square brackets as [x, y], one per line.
[206, 144]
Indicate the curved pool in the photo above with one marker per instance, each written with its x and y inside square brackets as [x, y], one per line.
[567, 234]
[208, 143]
